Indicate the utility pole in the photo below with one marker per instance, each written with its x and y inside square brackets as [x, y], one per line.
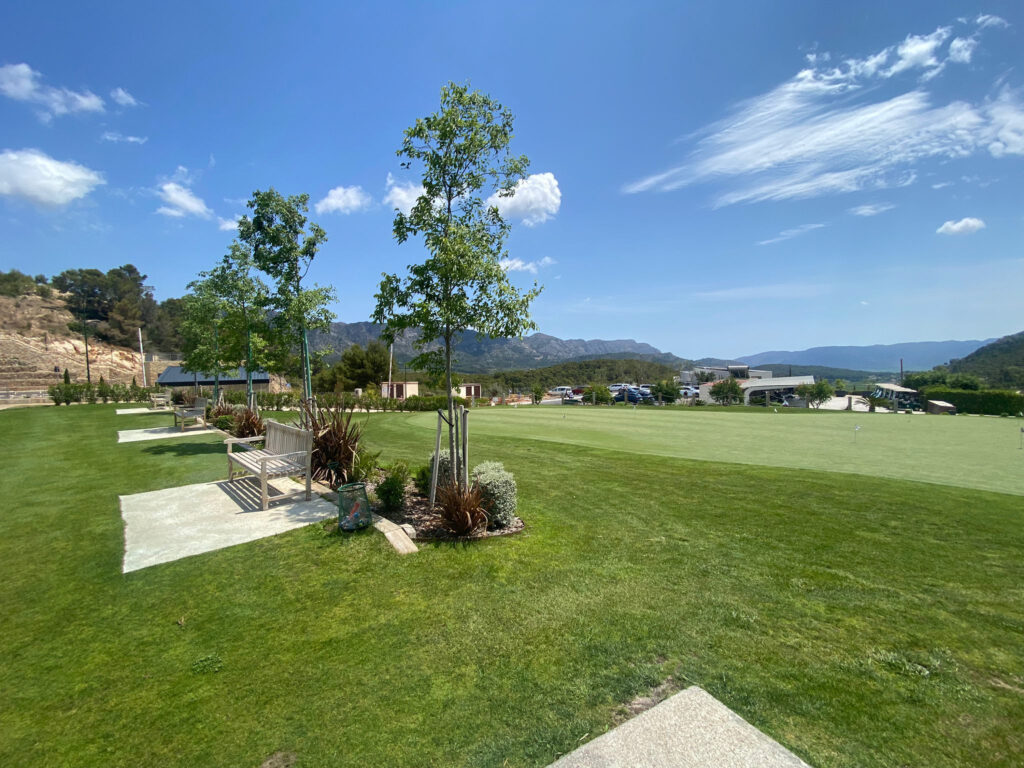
[142, 356]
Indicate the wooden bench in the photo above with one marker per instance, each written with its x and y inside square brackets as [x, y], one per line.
[194, 413]
[159, 401]
[287, 452]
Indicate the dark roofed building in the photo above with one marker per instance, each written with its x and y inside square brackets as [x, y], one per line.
[174, 376]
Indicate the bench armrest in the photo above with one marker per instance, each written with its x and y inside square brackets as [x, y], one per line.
[243, 442]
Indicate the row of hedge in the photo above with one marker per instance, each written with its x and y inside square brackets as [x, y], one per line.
[70, 392]
[991, 402]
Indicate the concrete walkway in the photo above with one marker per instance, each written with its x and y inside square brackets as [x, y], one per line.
[163, 526]
[689, 730]
[124, 411]
[160, 433]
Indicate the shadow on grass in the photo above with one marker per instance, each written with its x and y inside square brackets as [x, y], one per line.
[185, 449]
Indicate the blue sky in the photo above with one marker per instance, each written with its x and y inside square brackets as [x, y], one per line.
[711, 178]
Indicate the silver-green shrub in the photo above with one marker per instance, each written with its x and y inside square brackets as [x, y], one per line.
[498, 488]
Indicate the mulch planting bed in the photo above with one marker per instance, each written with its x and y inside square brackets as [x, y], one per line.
[417, 513]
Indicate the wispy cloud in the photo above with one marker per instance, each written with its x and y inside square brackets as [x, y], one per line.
[22, 83]
[227, 225]
[344, 200]
[789, 234]
[824, 131]
[871, 209]
[39, 178]
[119, 138]
[963, 227]
[125, 99]
[518, 265]
[536, 199]
[777, 291]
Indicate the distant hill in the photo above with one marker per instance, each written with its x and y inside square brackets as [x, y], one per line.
[916, 355]
[848, 375]
[1000, 364]
[477, 353]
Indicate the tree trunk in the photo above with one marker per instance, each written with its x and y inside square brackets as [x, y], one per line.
[452, 448]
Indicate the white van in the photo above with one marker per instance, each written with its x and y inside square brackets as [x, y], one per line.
[562, 391]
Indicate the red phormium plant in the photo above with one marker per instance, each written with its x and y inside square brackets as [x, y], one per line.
[335, 442]
[462, 511]
[249, 424]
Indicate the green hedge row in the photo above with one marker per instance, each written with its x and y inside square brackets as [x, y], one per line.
[992, 402]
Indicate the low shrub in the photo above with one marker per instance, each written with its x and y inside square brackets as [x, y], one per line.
[444, 466]
[462, 511]
[391, 490]
[989, 402]
[498, 492]
[425, 403]
[224, 422]
[421, 477]
[222, 409]
[364, 466]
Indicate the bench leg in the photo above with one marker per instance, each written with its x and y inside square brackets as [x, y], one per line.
[309, 487]
[263, 489]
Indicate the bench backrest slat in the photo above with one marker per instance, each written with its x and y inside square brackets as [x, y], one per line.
[283, 438]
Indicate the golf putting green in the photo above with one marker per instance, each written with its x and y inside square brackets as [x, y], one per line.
[977, 452]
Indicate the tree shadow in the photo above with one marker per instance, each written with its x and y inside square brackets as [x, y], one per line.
[185, 449]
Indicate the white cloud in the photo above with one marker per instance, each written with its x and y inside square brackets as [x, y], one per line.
[119, 138]
[402, 194]
[988, 20]
[777, 291]
[918, 52]
[942, 185]
[344, 200]
[871, 209]
[962, 48]
[518, 265]
[122, 97]
[35, 176]
[788, 234]
[227, 225]
[825, 131]
[963, 227]
[181, 202]
[536, 199]
[22, 83]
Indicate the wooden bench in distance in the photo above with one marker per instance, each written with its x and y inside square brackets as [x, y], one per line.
[194, 413]
[287, 452]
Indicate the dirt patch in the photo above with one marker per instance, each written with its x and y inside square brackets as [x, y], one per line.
[280, 760]
[643, 703]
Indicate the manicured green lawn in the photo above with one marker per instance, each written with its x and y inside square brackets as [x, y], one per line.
[859, 620]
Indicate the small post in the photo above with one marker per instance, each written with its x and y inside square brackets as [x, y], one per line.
[437, 450]
[465, 447]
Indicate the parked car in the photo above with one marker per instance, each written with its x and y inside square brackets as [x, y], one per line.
[632, 395]
[561, 392]
[616, 387]
[689, 391]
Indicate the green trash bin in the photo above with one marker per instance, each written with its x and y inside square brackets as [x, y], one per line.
[353, 507]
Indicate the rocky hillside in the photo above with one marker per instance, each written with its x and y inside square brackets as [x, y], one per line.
[35, 340]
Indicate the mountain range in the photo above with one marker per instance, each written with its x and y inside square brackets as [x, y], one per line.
[916, 356]
[476, 353]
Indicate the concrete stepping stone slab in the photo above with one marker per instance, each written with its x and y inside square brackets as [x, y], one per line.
[167, 525]
[689, 730]
[161, 433]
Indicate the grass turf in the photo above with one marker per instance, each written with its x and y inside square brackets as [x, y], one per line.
[859, 620]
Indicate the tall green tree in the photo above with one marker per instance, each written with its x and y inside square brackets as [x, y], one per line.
[463, 150]
[283, 245]
[727, 391]
[815, 394]
[245, 332]
[204, 315]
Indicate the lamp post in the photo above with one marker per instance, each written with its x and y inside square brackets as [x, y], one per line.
[85, 333]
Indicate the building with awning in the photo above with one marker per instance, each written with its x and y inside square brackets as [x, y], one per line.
[898, 396]
[174, 376]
